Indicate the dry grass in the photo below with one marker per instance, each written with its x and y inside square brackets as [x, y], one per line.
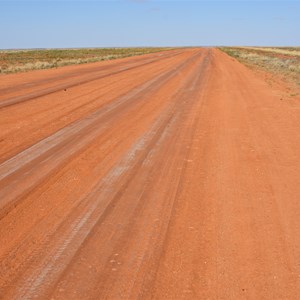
[290, 51]
[280, 61]
[12, 61]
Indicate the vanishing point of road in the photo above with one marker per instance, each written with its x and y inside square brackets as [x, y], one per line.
[173, 175]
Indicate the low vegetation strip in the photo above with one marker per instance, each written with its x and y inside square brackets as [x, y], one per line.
[279, 61]
[292, 51]
[12, 61]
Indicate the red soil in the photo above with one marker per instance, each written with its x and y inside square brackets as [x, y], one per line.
[173, 175]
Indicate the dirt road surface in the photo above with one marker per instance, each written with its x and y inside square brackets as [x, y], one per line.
[174, 175]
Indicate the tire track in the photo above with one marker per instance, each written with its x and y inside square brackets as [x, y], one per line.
[101, 200]
[23, 98]
[36, 158]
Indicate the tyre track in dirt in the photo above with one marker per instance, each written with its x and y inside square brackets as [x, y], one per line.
[158, 82]
[99, 204]
[24, 164]
[183, 184]
[77, 78]
[67, 107]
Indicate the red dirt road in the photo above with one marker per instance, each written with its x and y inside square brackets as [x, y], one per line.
[173, 175]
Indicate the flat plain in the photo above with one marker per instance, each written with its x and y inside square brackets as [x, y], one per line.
[171, 175]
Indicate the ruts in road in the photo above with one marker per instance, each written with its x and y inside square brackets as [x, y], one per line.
[173, 175]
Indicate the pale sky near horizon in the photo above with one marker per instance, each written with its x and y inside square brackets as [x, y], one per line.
[127, 23]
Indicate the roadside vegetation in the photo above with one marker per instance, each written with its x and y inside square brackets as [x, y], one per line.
[284, 61]
[12, 61]
[294, 51]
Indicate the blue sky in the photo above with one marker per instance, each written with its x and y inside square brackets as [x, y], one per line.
[113, 23]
